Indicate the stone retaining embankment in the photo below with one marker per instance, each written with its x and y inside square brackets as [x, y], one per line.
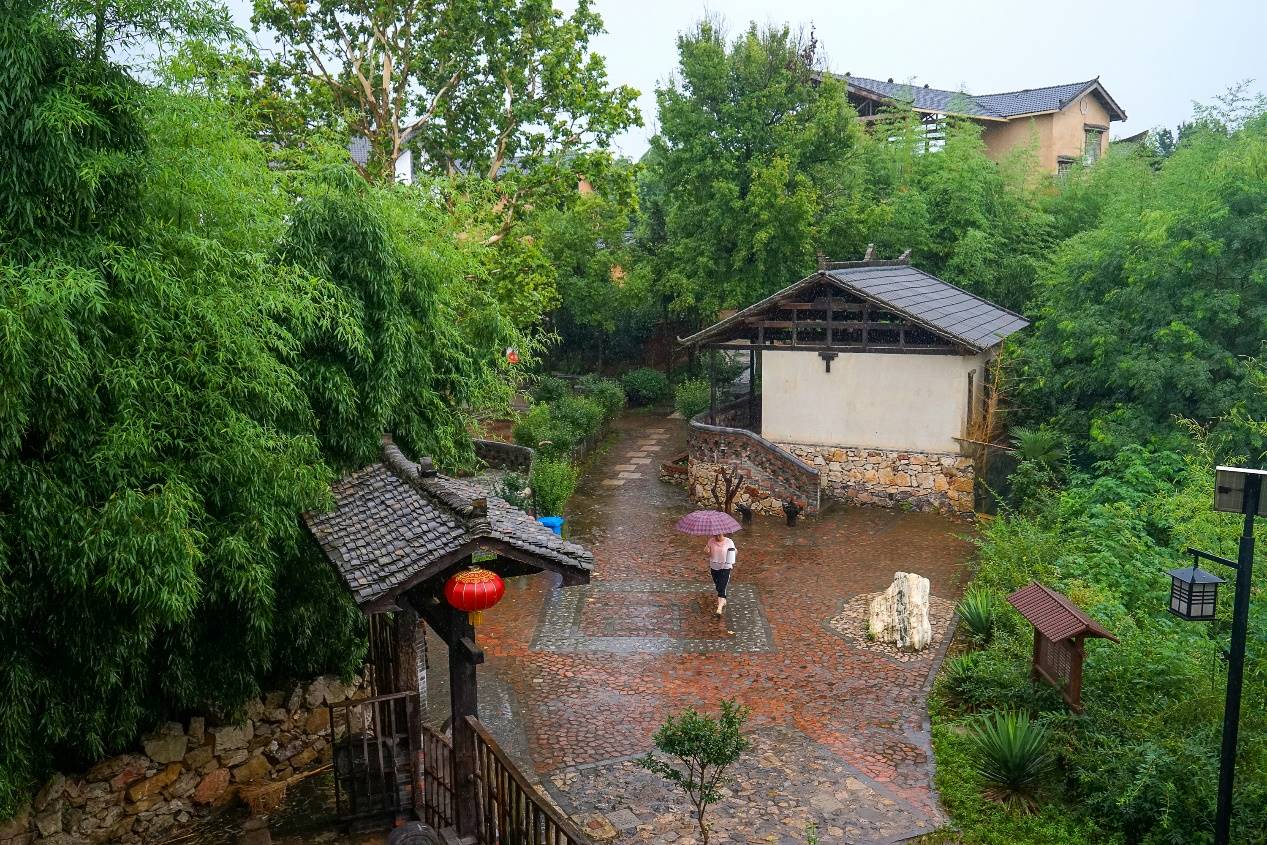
[922, 481]
[772, 474]
[184, 771]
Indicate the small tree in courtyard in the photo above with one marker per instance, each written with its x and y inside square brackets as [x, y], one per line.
[704, 749]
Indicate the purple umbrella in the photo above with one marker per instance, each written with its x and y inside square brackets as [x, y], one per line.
[707, 523]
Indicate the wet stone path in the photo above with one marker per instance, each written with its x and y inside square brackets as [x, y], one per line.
[576, 681]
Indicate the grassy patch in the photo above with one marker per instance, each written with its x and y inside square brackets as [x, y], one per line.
[980, 821]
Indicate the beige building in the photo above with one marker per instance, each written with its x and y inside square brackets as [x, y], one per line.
[1062, 123]
[871, 376]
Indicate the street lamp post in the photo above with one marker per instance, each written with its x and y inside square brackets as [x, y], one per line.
[1237, 490]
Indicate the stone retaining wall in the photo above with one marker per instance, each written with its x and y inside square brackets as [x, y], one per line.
[509, 456]
[183, 771]
[924, 481]
[773, 474]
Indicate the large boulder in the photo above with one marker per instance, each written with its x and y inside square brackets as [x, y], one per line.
[899, 615]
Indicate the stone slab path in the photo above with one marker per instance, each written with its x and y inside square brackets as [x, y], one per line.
[576, 681]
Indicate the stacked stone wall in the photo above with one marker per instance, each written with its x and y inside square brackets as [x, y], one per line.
[923, 481]
[184, 771]
[508, 456]
[772, 475]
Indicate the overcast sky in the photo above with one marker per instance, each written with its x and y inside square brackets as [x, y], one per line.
[1154, 57]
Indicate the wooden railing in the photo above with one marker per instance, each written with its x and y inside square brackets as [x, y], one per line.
[374, 755]
[511, 810]
[438, 809]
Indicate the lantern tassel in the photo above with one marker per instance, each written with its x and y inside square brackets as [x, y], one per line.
[476, 617]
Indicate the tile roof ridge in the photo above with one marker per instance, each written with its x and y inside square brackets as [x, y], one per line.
[435, 487]
[1038, 88]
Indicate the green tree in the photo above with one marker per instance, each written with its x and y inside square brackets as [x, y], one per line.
[155, 448]
[412, 349]
[1157, 311]
[704, 748]
[73, 132]
[752, 136]
[471, 87]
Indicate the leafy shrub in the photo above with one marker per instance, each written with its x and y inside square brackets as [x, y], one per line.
[537, 429]
[957, 675]
[645, 386]
[1038, 444]
[579, 415]
[550, 389]
[691, 397]
[553, 482]
[978, 610]
[514, 489]
[556, 428]
[607, 392]
[1009, 752]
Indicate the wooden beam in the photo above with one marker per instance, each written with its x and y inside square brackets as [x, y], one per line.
[845, 347]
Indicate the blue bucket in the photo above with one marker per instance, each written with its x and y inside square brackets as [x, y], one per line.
[554, 523]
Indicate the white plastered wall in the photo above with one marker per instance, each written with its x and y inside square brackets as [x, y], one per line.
[881, 400]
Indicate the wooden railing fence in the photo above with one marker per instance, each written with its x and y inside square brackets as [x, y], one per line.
[512, 810]
[438, 808]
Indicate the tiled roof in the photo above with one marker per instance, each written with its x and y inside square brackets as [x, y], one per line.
[1032, 100]
[1002, 106]
[390, 524]
[945, 309]
[920, 97]
[1053, 615]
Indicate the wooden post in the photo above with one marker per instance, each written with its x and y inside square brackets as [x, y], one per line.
[411, 658]
[464, 656]
[752, 388]
[1073, 690]
[712, 387]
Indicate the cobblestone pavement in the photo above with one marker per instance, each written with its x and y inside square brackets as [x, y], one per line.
[577, 681]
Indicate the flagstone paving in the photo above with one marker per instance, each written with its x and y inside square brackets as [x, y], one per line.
[576, 681]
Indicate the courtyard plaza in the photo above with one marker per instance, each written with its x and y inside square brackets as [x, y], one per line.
[576, 681]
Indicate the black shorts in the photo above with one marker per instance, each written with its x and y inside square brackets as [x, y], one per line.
[721, 579]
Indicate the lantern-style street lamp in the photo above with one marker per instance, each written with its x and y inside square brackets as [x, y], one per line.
[1192, 596]
[1194, 593]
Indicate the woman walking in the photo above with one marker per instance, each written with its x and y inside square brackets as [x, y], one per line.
[720, 549]
[721, 561]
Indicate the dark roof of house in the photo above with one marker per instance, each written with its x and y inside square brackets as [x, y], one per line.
[1053, 615]
[922, 97]
[938, 306]
[393, 526]
[1004, 106]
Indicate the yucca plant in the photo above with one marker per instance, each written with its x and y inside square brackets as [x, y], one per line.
[957, 674]
[1009, 751]
[978, 610]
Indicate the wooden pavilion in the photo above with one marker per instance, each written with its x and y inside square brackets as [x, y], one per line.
[397, 532]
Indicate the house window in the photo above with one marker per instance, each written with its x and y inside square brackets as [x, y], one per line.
[1091, 147]
[1063, 165]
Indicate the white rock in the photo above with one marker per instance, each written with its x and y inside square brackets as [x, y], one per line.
[899, 615]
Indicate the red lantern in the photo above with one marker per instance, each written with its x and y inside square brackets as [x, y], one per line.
[474, 590]
[512, 355]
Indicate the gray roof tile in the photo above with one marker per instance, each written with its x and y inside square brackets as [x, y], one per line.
[389, 524]
[1002, 106]
[939, 306]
